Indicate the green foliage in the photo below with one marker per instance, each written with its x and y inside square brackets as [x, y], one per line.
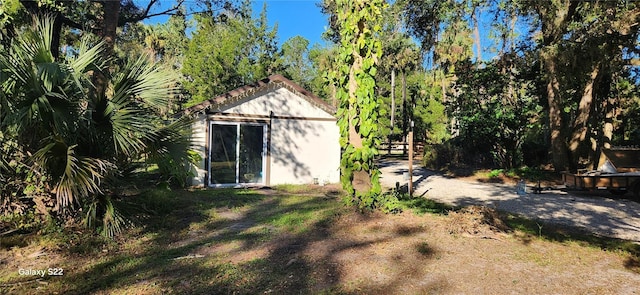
[228, 51]
[493, 111]
[20, 221]
[421, 206]
[358, 112]
[628, 123]
[582, 50]
[323, 63]
[172, 152]
[69, 147]
[443, 155]
[8, 10]
[18, 181]
[295, 61]
[495, 173]
[102, 214]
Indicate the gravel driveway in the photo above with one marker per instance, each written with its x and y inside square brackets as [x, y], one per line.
[595, 212]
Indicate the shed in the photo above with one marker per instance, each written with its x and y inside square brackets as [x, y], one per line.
[266, 133]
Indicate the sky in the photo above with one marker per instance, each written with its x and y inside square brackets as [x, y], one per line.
[294, 17]
[304, 18]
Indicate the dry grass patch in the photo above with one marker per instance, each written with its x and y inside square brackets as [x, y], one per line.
[477, 220]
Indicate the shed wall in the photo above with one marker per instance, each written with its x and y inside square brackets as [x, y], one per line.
[302, 150]
[280, 101]
[199, 143]
[304, 141]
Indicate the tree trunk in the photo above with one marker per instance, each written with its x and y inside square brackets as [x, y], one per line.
[559, 153]
[404, 112]
[476, 36]
[554, 17]
[581, 122]
[361, 179]
[607, 129]
[610, 111]
[110, 14]
[393, 106]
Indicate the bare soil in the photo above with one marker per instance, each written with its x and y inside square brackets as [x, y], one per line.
[242, 250]
[595, 212]
[461, 254]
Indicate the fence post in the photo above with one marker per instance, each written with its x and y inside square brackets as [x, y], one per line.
[410, 184]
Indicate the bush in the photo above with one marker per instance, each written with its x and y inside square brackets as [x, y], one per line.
[442, 156]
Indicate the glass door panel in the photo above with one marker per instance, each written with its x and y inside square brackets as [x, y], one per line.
[251, 153]
[223, 153]
[237, 153]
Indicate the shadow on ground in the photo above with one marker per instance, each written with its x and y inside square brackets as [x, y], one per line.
[244, 242]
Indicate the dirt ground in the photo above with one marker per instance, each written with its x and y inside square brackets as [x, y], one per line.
[244, 250]
[597, 212]
[407, 254]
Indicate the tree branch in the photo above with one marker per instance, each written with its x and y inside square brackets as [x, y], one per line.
[146, 12]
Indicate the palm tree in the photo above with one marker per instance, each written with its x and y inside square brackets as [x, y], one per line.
[82, 140]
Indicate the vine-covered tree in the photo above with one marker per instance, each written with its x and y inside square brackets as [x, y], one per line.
[358, 23]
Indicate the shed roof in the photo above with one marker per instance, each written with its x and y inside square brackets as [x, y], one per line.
[250, 89]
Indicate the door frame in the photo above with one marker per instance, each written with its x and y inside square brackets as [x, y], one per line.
[237, 152]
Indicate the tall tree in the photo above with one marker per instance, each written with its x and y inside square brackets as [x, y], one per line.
[295, 60]
[582, 47]
[102, 17]
[400, 55]
[596, 32]
[246, 54]
[358, 22]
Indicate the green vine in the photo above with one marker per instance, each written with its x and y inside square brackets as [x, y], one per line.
[358, 114]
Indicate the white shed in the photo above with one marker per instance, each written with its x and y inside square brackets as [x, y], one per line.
[267, 133]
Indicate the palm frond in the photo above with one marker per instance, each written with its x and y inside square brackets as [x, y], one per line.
[51, 75]
[173, 138]
[76, 176]
[129, 125]
[139, 91]
[142, 81]
[43, 39]
[88, 58]
[169, 149]
[124, 125]
[37, 92]
[103, 213]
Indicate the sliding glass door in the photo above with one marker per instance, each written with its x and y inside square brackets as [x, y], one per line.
[224, 145]
[237, 153]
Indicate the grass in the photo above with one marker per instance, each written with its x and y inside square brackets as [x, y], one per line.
[248, 242]
[421, 206]
[177, 224]
[530, 229]
[506, 175]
